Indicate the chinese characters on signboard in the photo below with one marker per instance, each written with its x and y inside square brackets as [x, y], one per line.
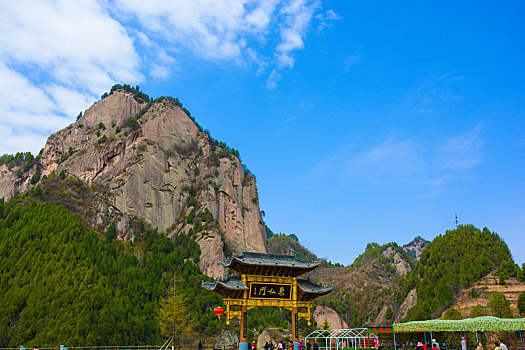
[270, 291]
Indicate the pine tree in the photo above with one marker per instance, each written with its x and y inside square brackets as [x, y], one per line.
[499, 305]
[326, 325]
[173, 317]
[521, 303]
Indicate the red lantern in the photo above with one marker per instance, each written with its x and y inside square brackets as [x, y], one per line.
[218, 311]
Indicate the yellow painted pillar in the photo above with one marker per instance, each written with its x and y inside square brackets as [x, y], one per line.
[295, 328]
[243, 339]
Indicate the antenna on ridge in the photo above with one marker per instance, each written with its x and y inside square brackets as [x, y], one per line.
[456, 215]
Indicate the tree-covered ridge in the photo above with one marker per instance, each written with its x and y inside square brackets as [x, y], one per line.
[63, 284]
[451, 263]
[284, 244]
[374, 254]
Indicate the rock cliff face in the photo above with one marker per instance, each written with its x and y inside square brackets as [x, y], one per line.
[322, 313]
[159, 167]
[400, 263]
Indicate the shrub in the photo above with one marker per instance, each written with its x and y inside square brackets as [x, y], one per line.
[132, 123]
[499, 305]
[35, 178]
[452, 314]
[38, 191]
[103, 139]
[478, 311]
[473, 293]
[521, 303]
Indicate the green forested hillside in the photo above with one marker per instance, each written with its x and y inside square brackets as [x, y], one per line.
[450, 263]
[63, 284]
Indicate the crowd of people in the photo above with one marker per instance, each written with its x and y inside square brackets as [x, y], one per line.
[498, 345]
[269, 345]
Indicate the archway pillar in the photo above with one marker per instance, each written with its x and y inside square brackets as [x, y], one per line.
[243, 338]
[295, 328]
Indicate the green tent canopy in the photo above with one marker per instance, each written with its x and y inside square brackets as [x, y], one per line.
[481, 324]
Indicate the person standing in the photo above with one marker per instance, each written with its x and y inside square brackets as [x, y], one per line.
[496, 346]
[200, 345]
[315, 346]
[480, 346]
[308, 345]
[502, 346]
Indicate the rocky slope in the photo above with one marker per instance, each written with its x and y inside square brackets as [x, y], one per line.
[415, 247]
[466, 301]
[152, 162]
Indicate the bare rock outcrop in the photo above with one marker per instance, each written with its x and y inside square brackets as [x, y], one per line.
[407, 304]
[274, 335]
[416, 246]
[380, 319]
[322, 313]
[402, 266]
[154, 163]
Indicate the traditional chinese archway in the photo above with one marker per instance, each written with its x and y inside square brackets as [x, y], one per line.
[267, 280]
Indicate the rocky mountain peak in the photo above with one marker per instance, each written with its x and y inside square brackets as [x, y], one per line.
[153, 162]
[415, 247]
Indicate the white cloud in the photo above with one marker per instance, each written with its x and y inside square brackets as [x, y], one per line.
[428, 166]
[297, 16]
[24, 141]
[227, 30]
[27, 113]
[350, 61]
[58, 56]
[273, 79]
[436, 94]
[75, 43]
[325, 19]
[388, 157]
[160, 71]
[462, 151]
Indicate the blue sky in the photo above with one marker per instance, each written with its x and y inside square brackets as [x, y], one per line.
[364, 121]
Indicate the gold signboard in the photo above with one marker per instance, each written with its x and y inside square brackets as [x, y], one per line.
[270, 291]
